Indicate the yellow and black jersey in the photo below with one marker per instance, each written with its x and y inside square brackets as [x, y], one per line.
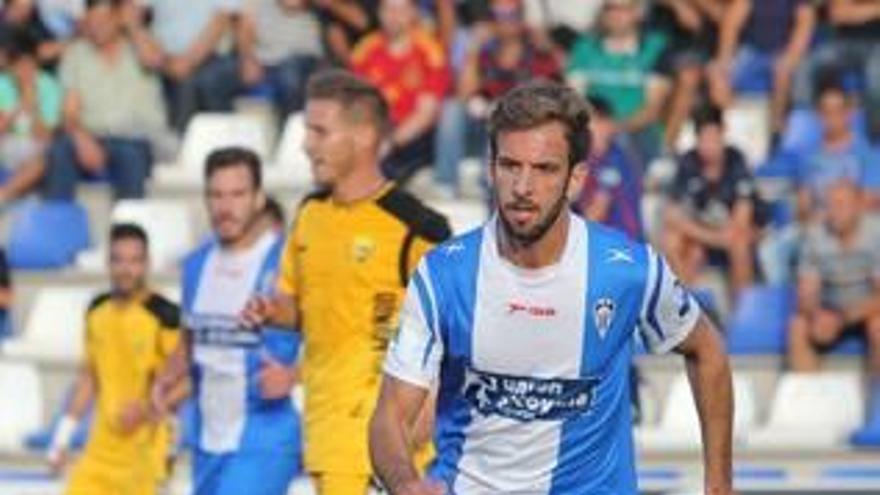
[126, 345]
[348, 265]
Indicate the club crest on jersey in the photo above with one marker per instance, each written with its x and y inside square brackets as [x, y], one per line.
[362, 248]
[603, 313]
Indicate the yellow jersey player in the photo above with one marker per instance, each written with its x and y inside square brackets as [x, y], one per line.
[343, 275]
[129, 333]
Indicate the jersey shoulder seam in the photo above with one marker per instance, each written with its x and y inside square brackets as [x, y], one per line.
[421, 219]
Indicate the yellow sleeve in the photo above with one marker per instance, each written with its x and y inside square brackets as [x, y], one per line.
[417, 250]
[169, 338]
[288, 264]
[89, 346]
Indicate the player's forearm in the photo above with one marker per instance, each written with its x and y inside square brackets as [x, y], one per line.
[83, 393]
[709, 374]
[389, 450]
[285, 314]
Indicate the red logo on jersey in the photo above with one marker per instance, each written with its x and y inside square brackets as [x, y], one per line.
[514, 307]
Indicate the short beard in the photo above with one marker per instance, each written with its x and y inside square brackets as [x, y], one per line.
[528, 239]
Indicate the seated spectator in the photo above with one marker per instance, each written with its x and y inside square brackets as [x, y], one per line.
[620, 63]
[840, 154]
[838, 282]
[21, 15]
[189, 46]
[690, 27]
[612, 192]
[112, 107]
[508, 57]
[279, 45]
[761, 44]
[715, 213]
[408, 65]
[853, 48]
[30, 110]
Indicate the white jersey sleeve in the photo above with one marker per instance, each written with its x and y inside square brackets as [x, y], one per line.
[415, 353]
[669, 312]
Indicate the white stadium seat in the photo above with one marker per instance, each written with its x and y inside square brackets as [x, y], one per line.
[812, 411]
[292, 165]
[205, 133]
[679, 427]
[169, 225]
[21, 394]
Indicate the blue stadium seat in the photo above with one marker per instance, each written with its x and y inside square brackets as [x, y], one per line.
[760, 319]
[47, 235]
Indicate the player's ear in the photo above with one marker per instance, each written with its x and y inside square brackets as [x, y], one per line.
[261, 200]
[576, 180]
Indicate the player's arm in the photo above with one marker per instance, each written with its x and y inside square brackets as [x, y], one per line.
[392, 437]
[171, 383]
[671, 319]
[83, 393]
[708, 370]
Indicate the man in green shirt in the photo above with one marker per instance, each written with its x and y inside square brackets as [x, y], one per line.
[622, 65]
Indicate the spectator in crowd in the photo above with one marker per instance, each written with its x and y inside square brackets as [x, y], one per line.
[690, 27]
[838, 282]
[190, 47]
[345, 23]
[854, 47]
[20, 15]
[408, 65]
[279, 45]
[612, 191]
[112, 106]
[762, 42]
[841, 154]
[620, 63]
[508, 57]
[30, 110]
[715, 213]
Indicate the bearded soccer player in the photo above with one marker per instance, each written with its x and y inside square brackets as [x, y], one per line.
[343, 275]
[130, 332]
[246, 426]
[526, 326]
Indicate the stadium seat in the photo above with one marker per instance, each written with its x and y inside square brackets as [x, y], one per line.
[760, 320]
[463, 215]
[169, 224]
[811, 411]
[207, 132]
[292, 166]
[21, 394]
[679, 427]
[53, 331]
[47, 235]
[40, 440]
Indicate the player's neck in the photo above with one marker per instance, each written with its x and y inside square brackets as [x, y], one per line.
[546, 251]
[246, 241]
[361, 184]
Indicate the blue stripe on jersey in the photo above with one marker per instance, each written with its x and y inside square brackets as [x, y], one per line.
[428, 311]
[655, 297]
[192, 273]
[453, 268]
[595, 448]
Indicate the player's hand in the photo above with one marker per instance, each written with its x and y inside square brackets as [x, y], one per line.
[132, 416]
[276, 379]
[258, 311]
[421, 487]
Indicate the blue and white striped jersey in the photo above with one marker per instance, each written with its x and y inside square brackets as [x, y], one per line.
[533, 366]
[231, 415]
